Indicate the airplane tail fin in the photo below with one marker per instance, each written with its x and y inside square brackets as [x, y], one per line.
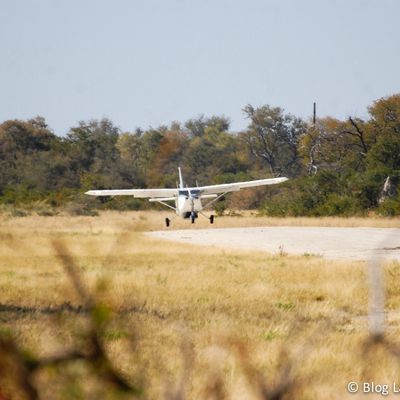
[180, 178]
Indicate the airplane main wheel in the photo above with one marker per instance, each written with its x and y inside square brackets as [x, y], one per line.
[167, 221]
[211, 219]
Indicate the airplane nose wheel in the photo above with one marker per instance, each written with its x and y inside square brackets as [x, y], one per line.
[192, 217]
[211, 219]
[167, 221]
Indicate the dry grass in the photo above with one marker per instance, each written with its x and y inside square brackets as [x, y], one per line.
[226, 314]
[154, 220]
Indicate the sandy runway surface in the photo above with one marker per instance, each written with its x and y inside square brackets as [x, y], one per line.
[339, 243]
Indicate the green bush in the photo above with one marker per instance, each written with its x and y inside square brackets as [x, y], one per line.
[389, 207]
[21, 194]
[220, 207]
[121, 203]
[336, 204]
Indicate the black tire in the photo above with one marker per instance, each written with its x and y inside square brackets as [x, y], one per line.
[192, 218]
[211, 219]
[167, 221]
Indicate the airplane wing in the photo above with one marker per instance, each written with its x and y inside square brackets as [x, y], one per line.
[140, 193]
[233, 187]
[204, 190]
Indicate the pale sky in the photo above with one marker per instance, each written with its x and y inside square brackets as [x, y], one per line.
[151, 62]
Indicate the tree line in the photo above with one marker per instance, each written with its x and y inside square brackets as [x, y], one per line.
[337, 167]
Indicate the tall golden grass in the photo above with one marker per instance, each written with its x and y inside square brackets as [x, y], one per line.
[97, 305]
[154, 220]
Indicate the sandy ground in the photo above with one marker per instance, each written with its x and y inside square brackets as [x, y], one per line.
[336, 243]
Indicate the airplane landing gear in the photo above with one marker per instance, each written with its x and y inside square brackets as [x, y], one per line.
[211, 219]
[192, 217]
[167, 221]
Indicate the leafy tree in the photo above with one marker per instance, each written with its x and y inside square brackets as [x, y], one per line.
[273, 137]
[334, 145]
[211, 156]
[93, 144]
[385, 116]
[163, 169]
[386, 154]
[197, 126]
[21, 144]
[132, 158]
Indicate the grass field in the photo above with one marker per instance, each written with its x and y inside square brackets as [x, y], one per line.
[174, 318]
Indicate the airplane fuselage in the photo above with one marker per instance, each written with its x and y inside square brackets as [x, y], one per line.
[188, 203]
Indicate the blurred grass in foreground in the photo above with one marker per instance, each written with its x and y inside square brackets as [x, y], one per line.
[91, 308]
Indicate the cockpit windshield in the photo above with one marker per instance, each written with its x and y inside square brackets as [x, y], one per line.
[184, 192]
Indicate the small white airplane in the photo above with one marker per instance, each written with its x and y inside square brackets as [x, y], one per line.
[187, 199]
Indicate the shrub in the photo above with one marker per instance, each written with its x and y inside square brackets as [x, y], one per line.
[336, 204]
[389, 207]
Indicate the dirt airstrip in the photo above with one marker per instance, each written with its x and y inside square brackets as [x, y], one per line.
[329, 242]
